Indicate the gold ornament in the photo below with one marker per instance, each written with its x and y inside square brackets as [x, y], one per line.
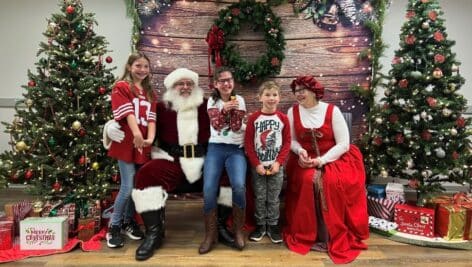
[29, 102]
[38, 206]
[20, 146]
[95, 166]
[76, 125]
[437, 73]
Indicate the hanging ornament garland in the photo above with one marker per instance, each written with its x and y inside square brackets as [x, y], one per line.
[230, 19]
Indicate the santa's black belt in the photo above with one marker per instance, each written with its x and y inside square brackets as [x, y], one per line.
[186, 151]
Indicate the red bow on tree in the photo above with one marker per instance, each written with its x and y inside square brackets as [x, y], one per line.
[216, 41]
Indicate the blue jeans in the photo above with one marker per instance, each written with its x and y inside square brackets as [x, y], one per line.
[123, 208]
[231, 158]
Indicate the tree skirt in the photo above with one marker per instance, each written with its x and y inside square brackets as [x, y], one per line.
[436, 242]
[15, 254]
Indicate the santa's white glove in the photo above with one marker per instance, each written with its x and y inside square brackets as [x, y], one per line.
[112, 132]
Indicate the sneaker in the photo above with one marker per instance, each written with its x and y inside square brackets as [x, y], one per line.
[114, 238]
[132, 230]
[258, 234]
[274, 234]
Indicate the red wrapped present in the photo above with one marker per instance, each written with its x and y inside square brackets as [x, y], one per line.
[93, 211]
[59, 209]
[450, 221]
[415, 220]
[86, 228]
[18, 211]
[7, 232]
[381, 207]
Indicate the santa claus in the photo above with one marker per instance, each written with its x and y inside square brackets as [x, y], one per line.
[182, 135]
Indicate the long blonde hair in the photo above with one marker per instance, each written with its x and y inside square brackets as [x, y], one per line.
[146, 83]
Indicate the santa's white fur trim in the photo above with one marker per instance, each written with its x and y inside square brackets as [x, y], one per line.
[149, 199]
[157, 153]
[192, 168]
[225, 197]
[178, 74]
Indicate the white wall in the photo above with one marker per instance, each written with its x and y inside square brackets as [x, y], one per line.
[458, 20]
[22, 23]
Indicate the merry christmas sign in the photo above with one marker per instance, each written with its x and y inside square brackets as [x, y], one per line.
[43, 233]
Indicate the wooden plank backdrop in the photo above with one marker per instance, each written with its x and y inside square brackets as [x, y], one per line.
[176, 38]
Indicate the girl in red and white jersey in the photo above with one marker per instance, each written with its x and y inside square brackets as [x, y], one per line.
[134, 107]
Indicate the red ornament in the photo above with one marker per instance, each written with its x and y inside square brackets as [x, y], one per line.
[432, 15]
[115, 177]
[432, 102]
[410, 39]
[460, 122]
[14, 177]
[82, 132]
[102, 90]
[31, 83]
[108, 59]
[275, 62]
[70, 93]
[455, 155]
[438, 36]
[393, 118]
[378, 140]
[438, 58]
[399, 138]
[403, 83]
[82, 160]
[70, 10]
[426, 135]
[235, 11]
[56, 186]
[410, 14]
[28, 174]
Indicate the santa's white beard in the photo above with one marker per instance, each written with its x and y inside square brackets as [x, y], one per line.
[180, 103]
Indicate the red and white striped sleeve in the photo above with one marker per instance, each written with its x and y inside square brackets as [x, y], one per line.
[121, 98]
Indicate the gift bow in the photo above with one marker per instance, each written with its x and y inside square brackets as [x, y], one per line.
[216, 41]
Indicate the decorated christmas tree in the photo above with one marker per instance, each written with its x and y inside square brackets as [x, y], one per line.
[420, 133]
[57, 130]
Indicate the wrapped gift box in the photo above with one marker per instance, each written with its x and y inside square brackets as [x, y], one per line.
[86, 228]
[7, 232]
[450, 221]
[18, 211]
[381, 207]
[39, 233]
[376, 190]
[415, 220]
[60, 209]
[94, 211]
[395, 192]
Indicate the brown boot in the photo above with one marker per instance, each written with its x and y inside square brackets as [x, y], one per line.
[211, 234]
[238, 223]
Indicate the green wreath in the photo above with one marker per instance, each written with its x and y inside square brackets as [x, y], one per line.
[261, 17]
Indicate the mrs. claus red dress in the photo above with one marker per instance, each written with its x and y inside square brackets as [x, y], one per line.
[345, 215]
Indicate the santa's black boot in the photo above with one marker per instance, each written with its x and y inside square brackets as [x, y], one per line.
[225, 237]
[150, 203]
[153, 221]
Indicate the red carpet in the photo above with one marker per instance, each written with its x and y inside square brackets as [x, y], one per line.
[15, 254]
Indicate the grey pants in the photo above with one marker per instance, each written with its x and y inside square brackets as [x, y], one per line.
[266, 191]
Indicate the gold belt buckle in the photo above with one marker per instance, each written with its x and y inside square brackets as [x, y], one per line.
[185, 150]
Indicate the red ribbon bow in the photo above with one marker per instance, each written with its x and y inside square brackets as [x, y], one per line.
[216, 41]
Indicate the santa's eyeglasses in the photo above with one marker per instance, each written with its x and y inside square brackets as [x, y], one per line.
[182, 84]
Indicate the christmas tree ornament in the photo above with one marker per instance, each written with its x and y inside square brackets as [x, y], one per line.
[95, 166]
[102, 90]
[73, 64]
[383, 173]
[393, 81]
[70, 10]
[453, 131]
[31, 83]
[28, 174]
[87, 54]
[446, 112]
[416, 74]
[378, 120]
[29, 102]
[56, 186]
[440, 153]
[51, 141]
[429, 88]
[454, 68]
[437, 73]
[82, 160]
[76, 125]
[20, 146]
[425, 25]
[38, 206]
[82, 132]
[108, 59]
